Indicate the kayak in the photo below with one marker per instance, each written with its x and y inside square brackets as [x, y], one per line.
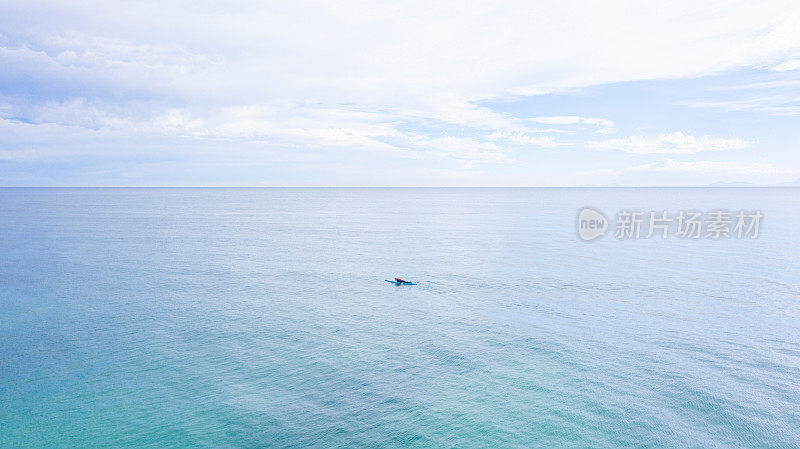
[401, 283]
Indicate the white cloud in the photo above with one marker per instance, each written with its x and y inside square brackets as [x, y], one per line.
[762, 85]
[671, 172]
[605, 126]
[673, 143]
[419, 55]
[572, 120]
[791, 64]
[708, 167]
[527, 91]
[521, 138]
[358, 75]
[787, 105]
[464, 148]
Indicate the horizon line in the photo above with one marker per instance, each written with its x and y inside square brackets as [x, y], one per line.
[409, 187]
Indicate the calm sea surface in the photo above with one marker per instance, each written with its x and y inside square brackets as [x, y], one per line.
[248, 318]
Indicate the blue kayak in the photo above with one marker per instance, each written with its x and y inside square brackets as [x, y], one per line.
[401, 283]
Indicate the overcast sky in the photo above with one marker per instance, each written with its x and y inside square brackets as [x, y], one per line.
[425, 93]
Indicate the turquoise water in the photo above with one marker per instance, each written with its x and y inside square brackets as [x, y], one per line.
[259, 318]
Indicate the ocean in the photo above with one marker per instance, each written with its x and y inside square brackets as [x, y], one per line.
[249, 318]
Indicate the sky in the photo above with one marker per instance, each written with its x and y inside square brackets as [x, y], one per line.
[412, 93]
